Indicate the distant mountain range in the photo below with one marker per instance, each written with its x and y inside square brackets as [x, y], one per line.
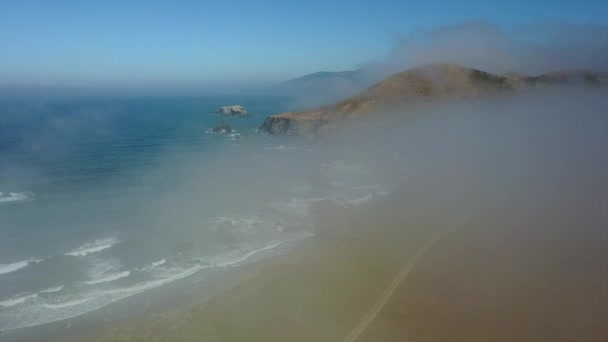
[325, 87]
[438, 82]
[324, 77]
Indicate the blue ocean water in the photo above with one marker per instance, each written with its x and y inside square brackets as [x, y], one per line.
[105, 199]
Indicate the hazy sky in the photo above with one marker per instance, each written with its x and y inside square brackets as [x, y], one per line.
[173, 42]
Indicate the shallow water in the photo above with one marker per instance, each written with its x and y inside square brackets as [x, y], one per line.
[104, 200]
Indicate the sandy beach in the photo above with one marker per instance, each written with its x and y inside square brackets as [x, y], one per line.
[412, 266]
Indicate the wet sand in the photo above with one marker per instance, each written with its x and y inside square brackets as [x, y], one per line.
[498, 270]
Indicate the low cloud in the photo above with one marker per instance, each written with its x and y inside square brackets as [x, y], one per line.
[532, 49]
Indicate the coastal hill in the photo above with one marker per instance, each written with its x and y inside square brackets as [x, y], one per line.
[436, 82]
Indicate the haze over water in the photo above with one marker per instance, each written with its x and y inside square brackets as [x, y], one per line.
[118, 200]
[104, 199]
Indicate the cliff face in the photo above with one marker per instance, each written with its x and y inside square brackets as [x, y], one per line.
[432, 83]
[289, 124]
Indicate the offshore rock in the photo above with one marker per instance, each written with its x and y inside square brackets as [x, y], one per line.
[222, 127]
[235, 110]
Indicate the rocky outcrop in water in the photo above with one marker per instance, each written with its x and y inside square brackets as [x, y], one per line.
[289, 124]
[222, 127]
[235, 110]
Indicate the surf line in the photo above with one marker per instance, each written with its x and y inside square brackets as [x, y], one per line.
[405, 270]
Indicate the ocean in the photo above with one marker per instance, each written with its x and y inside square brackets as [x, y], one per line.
[102, 200]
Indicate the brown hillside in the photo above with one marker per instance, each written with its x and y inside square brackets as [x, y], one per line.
[436, 82]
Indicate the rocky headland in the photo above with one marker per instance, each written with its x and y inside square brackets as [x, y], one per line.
[434, 83]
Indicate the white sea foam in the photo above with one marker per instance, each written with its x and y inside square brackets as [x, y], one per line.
[18, 299]
[74, 306]
[23, 297]
[280, 148]
[52, 289]
[234, 259]
[67, 304]
[102, 270]
[169, 276]
[236, 136]
[151, 266]
[108, 278]
[232, 133]
[158, 263]
[228, 261]
[93, 247]
[295, 206]
[6, 197]
[7, 268]
[240, 224]
[96, 298]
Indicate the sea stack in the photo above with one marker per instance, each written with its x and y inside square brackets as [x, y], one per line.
[222, 127]
[234, 110]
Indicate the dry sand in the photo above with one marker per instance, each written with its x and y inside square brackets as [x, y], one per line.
[503, 271]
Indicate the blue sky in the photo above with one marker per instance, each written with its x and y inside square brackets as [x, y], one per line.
[179, 42]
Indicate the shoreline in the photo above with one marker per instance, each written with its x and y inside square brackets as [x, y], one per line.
[174, 309]
[480, 277]
[438, 268]
[169, 298]
[332, 258]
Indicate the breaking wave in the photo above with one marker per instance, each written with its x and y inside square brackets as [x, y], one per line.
[64, 306]
[93, 247]
[7, 197]
[109, 278]
[7, 268]
[18, 299]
